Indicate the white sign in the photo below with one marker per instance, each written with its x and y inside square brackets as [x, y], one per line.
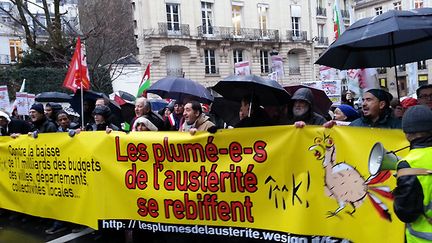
[242, 68]
[22, 103]
[4, 98]
[332, 88]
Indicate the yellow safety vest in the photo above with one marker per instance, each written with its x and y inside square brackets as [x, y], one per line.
[421, 229]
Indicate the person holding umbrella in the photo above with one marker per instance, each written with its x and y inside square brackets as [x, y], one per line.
[376, 111]
[251, 114]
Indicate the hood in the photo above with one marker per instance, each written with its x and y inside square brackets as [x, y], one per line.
[303, 94]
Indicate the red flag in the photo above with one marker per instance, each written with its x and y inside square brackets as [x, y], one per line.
[77, 74]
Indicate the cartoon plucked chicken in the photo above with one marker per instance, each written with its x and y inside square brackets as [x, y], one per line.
[345, 184]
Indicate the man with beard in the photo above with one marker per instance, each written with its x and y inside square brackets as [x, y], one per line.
[376, 111]
[40, 122]
[302, 111]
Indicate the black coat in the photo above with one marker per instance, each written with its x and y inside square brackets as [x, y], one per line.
[16, 126]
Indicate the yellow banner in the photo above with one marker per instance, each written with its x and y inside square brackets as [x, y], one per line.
[275, 183]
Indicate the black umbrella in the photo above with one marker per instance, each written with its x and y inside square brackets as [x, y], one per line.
[321, 102]
[92, 96]
[53, 97]
[227, 110]
[269, 92]
[181, 89]
[393, 38]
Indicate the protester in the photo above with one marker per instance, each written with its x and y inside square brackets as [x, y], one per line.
[112, 117]
[11, 126]
[252, 114]
[101, 123]
[414, 183]
[348, 99]
[143, 109]
[424, 95]
[195, 119]
[302, 110]
[397, 108]
[175, 120]
[345, 114]
[40, 122]
[376, 111]
[64, 122]
[144, 124]
[51, 110]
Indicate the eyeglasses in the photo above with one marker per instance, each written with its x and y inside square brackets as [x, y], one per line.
[425, 96]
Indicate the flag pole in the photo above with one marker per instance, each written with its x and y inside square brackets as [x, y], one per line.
[81, 84]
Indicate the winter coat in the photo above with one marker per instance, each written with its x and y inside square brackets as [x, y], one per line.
[413, 194]
[44, 126]
[202, 123]
[386, 120]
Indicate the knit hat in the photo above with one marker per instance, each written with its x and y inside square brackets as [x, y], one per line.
[3, 114]
[382, 95]
[417, 119]
[408, 102]
[38, 107]
[102, 110]
[349, 112]
[147, 123]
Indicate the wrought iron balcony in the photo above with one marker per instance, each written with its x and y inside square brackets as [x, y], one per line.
[176, 72]
[322, 41]
[231, 33]
[297, 35]
[320, 11]
[294, 70]
[345, 14]
[177, 30]
[401, 68]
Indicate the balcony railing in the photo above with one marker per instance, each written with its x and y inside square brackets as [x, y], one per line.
[320, 11]
[229, 33]
[178, 30]
[421, 65]
[175, 72]
[322, 41]
[297, 35]
[294, 70]
[345, 14]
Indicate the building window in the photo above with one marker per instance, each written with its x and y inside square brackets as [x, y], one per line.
[173, 17]
[264, 61]
[418, 3]
[238, 56]
[295, 24]
[207, 17]
[262, 18]
[210, 61]
[15, 50]
[236, 19]
[397, 5]
[421, 65]
[378, 11]
[422, 79]
[294, 64]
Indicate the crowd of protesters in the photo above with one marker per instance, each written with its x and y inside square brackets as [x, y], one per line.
[378, 109]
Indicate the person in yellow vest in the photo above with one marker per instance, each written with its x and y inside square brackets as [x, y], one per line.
[413, 193]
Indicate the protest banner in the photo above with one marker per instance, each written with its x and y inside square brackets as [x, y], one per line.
[271, 184]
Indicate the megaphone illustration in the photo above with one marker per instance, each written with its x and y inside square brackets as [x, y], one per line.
[380, 159]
